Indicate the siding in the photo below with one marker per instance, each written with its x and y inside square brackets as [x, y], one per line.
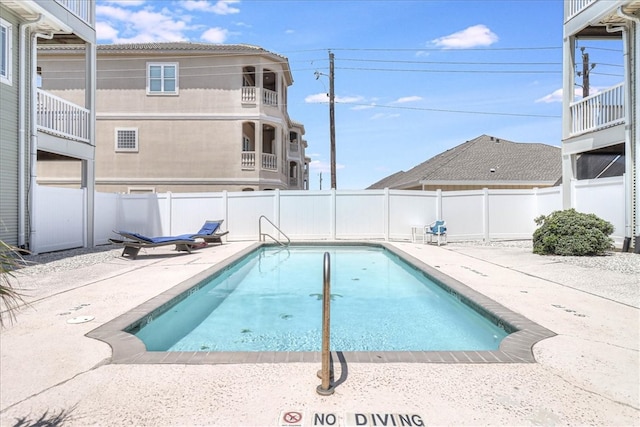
[9, 144]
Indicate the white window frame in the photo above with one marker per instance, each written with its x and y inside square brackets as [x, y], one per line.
[7, 52]
[126, 150]
[162, 90]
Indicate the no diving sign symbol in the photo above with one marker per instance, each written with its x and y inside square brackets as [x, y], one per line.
[290, 419]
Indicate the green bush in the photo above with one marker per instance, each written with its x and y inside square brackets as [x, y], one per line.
[569, 232]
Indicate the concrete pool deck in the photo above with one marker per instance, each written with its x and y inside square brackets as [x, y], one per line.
[587, 374]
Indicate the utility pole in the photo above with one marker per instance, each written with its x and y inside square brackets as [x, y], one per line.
[332, 122]
[586, 69]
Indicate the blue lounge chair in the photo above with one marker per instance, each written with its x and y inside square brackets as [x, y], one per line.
[438, 229]
[210, 232]
[134, 242]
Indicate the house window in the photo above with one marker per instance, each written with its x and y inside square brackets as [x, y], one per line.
[127, 139]
[162, 79]
[246, 143]
[5, 51]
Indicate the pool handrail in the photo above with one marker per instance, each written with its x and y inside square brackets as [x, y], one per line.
[261, 235]
[325, 388]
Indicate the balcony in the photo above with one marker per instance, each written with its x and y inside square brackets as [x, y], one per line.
[573, 7]
[61, 118]
[269, 161]
[80, 8]
[596, 112]
[250, 96]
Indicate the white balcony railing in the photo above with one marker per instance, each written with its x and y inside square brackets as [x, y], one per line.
[269, 97]
[293, 181]
[269, 161]
[598, 111]
[249, 95]
[80, 8]
[293, 147]
[62, 118]
[576, 6]
[248, 159]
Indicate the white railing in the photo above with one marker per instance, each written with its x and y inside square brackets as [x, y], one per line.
[249, 94]
[293, 147]
[60, 117]
[598, 111]
[293, 181]
[269, 161]
[269, 97]
[576, 6]
[248, 159]
[81, 8]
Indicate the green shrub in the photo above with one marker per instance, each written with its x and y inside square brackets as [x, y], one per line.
[569, 232]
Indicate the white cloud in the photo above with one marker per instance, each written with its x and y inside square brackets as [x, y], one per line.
[324, 98]
[124, 26]
[317, 98]
[221, 7]
[215, 35]
[477, 35]
[105, 31]
[384, 116]
[324, 167]
[555, 96]
[364, 107]
[406, 99]
[126, 3]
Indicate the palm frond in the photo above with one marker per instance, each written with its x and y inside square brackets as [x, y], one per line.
[10, 298]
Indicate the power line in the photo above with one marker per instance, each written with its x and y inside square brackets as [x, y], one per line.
[442, 110]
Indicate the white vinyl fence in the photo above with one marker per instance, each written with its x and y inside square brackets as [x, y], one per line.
[321, 215]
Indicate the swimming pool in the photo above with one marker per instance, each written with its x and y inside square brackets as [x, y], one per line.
[371, 322]
[271, 301]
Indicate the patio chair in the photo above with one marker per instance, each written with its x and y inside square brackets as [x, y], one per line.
[134, 242]
[438, 229]
[210, 232]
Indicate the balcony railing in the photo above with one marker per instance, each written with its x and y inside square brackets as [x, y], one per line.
[248, 160]
[576, 6]
[269, 161]
[62, 118]
[249, 94]
[80, 8]
[293, 181]
[598, 111]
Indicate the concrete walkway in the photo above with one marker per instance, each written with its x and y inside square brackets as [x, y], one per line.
[586, 375]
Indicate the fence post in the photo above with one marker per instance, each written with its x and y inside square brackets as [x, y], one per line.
[387, 216]
[276, 209]
[332, 216]
[485, 214]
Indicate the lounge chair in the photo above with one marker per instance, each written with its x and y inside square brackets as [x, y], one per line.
[134, 242]
[437, 228]
[210, 232]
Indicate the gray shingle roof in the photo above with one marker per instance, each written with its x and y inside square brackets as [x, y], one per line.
[165, 47]
[483, 159]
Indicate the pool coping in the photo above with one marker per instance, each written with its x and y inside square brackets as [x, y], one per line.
[515, 348]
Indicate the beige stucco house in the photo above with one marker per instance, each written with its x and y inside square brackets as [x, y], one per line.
[182, 117]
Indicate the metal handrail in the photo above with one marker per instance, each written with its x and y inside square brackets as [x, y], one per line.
[325, 388]
[261, 234]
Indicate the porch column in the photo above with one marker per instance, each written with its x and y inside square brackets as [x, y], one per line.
[88, 165]
[568, 82]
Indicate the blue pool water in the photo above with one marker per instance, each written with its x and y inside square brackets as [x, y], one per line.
[271, 301]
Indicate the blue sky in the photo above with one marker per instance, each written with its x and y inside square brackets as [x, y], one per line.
[412, 78]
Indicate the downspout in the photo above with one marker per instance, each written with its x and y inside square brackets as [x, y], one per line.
[628, 143]
[33, 145]
[22, 120]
